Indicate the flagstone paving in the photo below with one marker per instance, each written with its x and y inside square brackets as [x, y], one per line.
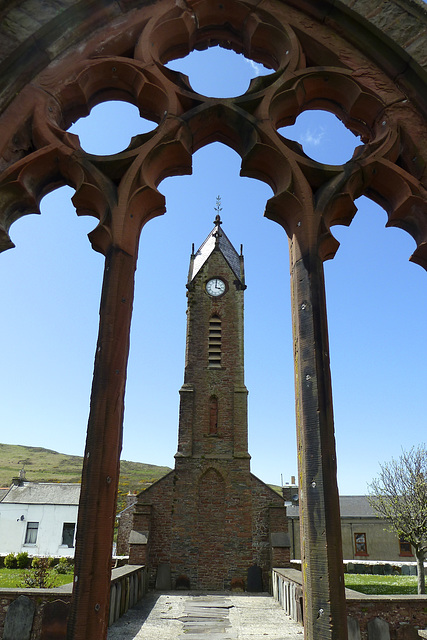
[199, 616]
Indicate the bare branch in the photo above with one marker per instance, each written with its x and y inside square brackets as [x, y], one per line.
[399, 495]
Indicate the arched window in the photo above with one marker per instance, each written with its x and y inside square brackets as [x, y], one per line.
[213, 415]
[214, 347]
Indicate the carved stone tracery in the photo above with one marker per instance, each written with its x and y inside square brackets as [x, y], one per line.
[363, 97]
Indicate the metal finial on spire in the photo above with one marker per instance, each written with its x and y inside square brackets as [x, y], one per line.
[217, 222]
[218, 210]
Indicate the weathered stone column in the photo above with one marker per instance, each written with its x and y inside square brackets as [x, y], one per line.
[321, 549]
[97, 509]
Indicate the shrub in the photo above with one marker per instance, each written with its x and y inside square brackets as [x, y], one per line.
[40, 576]
[64, 565]
[22, 560]
[36, 562]
[10, 561]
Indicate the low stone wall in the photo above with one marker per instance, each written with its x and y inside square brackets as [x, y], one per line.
[22, 599]
[128, 585]
[379, 617]
[287, 589]
[40, 609]
[382, 568]
[390, 617]
[375, 567]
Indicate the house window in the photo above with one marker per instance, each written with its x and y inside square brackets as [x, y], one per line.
[360, 544]
[405, 548]
[31, 533]
[68, 534]
[214, 346]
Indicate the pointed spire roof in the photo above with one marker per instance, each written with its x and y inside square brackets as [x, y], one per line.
[216, 240]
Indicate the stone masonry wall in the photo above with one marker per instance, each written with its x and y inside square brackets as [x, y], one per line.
[125, 526]
[40, 597]
[52, 606]
[403, 614]
[400, 617]
[210, 525]
[158, 524]
[263, 498]
[225, 383]
[201, 523]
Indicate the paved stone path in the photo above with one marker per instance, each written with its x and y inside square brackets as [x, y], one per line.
[196, 616]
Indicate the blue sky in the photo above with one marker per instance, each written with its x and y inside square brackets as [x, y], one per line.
[377, 305]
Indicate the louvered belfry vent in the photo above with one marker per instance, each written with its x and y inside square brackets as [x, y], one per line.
[214, 346]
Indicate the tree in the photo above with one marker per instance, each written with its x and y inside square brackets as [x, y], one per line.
[399, 494]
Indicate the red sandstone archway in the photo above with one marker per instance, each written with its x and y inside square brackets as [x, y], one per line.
[75, 55]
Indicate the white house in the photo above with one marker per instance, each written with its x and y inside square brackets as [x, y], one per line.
[39, 518]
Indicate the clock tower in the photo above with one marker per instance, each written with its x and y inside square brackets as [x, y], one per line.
[213, 408]
[210, 521]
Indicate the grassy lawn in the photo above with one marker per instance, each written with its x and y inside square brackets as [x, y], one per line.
[381, 585]
[12, 578]
[369, 584]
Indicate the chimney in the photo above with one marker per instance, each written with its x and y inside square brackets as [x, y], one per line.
[290, 493]
[18, 482]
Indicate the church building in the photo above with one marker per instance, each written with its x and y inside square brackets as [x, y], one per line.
[210, 523]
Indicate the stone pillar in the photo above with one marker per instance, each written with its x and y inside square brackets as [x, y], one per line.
[321, 549]
[101, 466]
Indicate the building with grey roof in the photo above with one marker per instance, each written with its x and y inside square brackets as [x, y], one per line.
[39, 518]
[365, 535]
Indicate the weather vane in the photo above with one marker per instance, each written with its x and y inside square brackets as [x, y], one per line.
[217, 221]
[218, 209]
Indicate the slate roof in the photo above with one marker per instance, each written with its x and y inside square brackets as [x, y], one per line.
[42, 493]
[350, 507]
[356, 507]
[208, 246]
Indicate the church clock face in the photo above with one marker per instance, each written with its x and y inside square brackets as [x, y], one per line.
[215, 287]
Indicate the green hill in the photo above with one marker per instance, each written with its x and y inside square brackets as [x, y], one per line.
[44, 465]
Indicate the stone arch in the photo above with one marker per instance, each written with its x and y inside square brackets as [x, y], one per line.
[95, 72]
[211, 519]
[356, 61]
[211, 487]
[213, 415]
[221, 474]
